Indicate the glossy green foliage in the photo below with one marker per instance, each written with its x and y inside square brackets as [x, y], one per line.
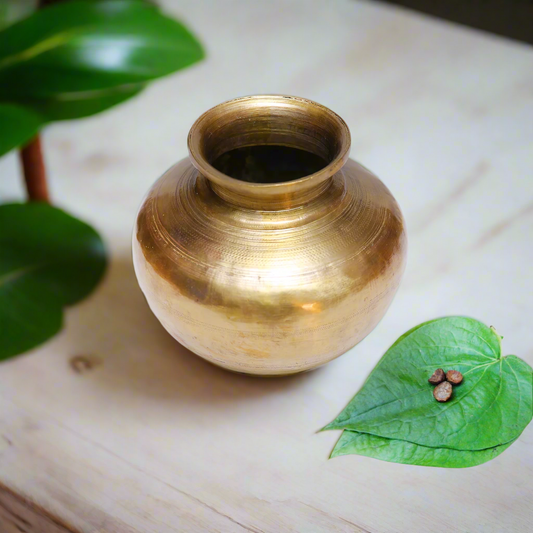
[48, 260]
[13, 10]
[67, 61]
[81, 104]
[75, 59]
[17, 126]
[490, 408]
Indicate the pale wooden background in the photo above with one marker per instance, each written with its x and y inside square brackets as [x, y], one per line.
[152, 439]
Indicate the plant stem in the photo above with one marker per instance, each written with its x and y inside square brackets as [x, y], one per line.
[32, 160]
[31, 156]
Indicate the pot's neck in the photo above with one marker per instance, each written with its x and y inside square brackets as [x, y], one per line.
[269, 120]
[262, 200]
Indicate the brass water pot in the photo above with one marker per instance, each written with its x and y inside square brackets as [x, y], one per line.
[269, 277]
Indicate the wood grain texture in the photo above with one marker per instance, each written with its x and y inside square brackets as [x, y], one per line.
[21, 516]
[152, 439]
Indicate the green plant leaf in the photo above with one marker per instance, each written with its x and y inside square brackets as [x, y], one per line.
[82, 104]
[48, 260]
[491, 407]
[398, 451]
[13, 10]
[18, 125]
[70, 51]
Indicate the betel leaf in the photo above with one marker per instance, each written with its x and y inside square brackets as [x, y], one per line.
[491, 407]
[98, 53]
[399, 451]
[17, 126]
[48, 260]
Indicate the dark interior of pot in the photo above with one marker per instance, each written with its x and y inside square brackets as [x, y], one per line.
[268, 163]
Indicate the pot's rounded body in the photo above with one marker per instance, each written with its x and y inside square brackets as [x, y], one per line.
[265, 279]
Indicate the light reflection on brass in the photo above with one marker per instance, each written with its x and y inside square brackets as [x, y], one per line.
[271, 278]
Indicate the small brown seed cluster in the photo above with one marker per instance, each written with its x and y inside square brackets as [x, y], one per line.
[444, 382]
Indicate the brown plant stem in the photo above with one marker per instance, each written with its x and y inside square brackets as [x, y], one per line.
[31, 156]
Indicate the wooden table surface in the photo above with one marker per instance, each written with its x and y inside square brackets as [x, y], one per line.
[153, 439]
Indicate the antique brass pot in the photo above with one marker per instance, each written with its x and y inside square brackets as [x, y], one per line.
[261, 277]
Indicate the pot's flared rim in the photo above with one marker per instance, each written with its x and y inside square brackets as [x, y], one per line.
[303, 112]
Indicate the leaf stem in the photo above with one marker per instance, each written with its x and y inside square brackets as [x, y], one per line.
[31, 156]
[499, 339]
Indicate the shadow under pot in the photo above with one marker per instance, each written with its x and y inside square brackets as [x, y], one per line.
[267, 251]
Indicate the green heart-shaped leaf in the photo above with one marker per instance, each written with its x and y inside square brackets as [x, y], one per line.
[491, 407]
[48, 260]
[18, 126]
[77, 58]
[399, 451]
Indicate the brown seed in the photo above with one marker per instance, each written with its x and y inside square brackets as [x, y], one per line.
[437, 377]
[443, 391]
[454, 376]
